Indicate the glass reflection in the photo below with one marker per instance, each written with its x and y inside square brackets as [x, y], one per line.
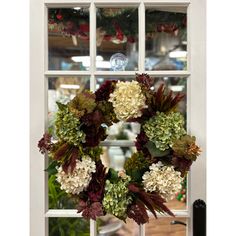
[68, 39]
[115, 157]
[110, 225]
[166, 39]
[129, 131]
[69, 227]
[62, 89]
[117, 32]
[166, 226]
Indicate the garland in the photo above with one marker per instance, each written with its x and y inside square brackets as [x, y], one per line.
[116, 25]
[151, 177]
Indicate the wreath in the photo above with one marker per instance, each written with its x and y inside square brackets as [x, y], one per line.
[151, 177]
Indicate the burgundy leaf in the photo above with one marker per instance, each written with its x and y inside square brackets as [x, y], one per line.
[44, 143]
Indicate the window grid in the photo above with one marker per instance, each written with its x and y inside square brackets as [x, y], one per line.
[142, 4]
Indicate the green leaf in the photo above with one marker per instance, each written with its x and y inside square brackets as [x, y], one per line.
[136, 175]
[154, 151]
[61, 106]
[52, 168]
[113, 175]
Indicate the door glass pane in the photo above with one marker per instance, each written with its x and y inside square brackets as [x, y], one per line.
[129, 131]
[166, 38]
[117, 32]
[68, 39]
[61, 89]
[115, 157]
[68, 227]
[111, 226]
[166, 227]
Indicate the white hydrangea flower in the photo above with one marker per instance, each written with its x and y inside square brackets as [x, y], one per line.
[79, 179]
[127, 100]
[162, 179]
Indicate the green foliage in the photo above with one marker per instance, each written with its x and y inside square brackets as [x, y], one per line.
[68, 227]
[108, 112]
[94, 153]
[154, 151]
[136, 165]
[113, 175]
[58, 199]
[163, 129]
[51, 169]
[68, 126]
[116, 198]
[186, 147]
[82, 104]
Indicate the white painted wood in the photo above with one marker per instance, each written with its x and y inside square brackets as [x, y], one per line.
[73, 213]
[173, 73]
[141, 230]
[121, 143]
[141, 22]
[62, 213]
[55, 73]
[93, 228]
[197, 99]
[111, 2]
[37, 119]
[196, 108]
[92, 40]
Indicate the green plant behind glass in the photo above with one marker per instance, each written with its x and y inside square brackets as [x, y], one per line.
[64, 226]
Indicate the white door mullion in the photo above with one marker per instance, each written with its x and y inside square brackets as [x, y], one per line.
[141, 36]
[93, 49]
[92, 42]
[142, 230]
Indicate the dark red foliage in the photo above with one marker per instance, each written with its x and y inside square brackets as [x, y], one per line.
[44, 143]
[181, 164]
[90, 211]
[103, 93]
[138, 212]
[93, 118]
[145, 80]
[141, 141]
[70, 161]
[153, 201]
[68, 154]
[165, 100]
[91, 203]
[94, 135]
[61, 151]
[96, 188]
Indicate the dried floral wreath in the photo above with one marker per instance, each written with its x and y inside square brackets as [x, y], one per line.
[151, 176]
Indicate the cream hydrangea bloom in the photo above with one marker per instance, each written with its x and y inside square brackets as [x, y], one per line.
[162, 179]
[79, 179]
[127, 100]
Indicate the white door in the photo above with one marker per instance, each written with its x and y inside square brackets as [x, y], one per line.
[62, 64]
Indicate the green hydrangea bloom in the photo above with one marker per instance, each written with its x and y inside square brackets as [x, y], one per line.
[116, 198]
[68, 126]
[163, 129]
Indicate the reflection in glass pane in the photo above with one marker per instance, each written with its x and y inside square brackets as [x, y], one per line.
[177, 85]
[123, 131]
[61, 89]
[166, 227]
[117, 32]
[68, 39]
[110, 225]
[115, 157]
[68, 227]
[129, 131]
[166, 39]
